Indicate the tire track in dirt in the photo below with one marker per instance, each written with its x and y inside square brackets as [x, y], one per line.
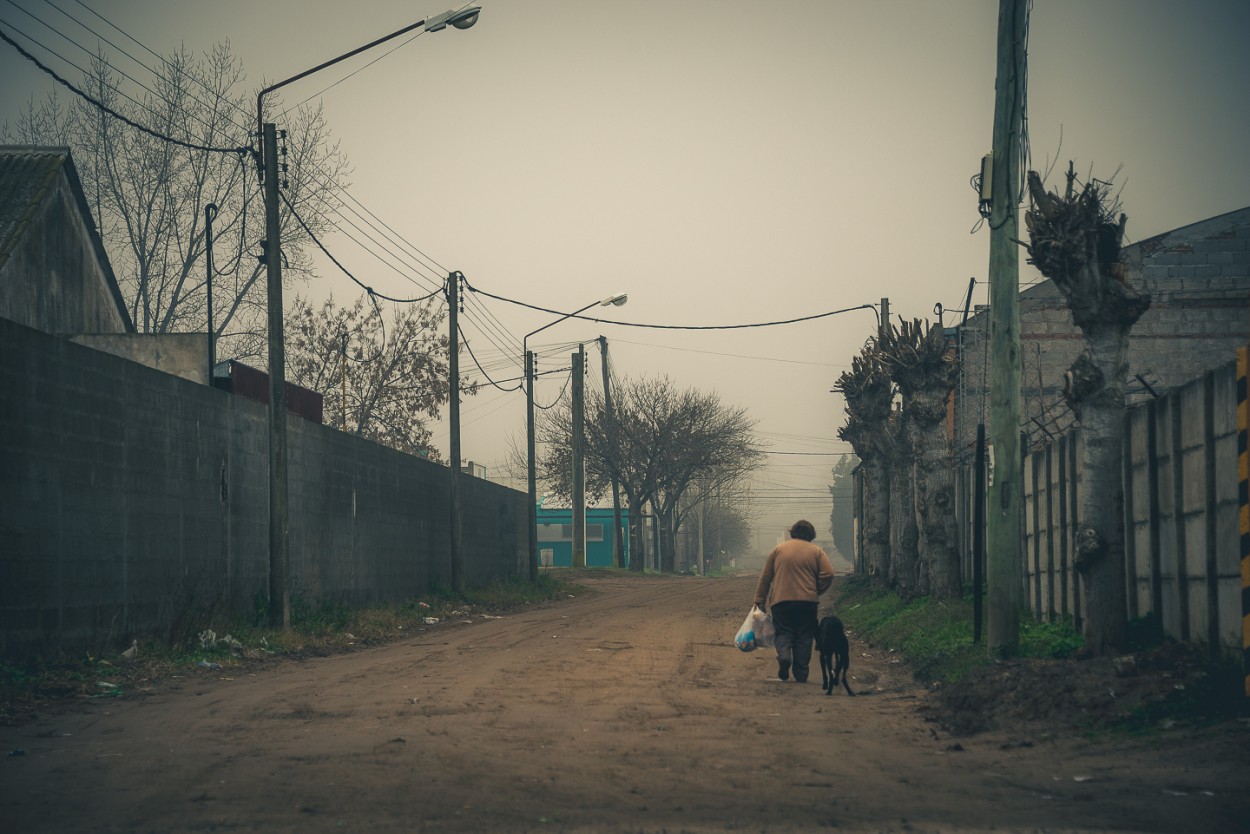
[626, 709]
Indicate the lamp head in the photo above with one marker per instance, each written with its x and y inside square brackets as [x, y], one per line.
[458, 18]
[614, 300]
[467, 18]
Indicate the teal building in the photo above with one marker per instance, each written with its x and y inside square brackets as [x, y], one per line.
[555, 537]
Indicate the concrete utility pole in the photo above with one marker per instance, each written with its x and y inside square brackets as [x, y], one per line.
[210, 214]
[883, 326]
[698, 558]
[579, 461]
[279, 596]
[343, 380]
[1003, 501]
[618, 536]
[453, 410]
[530, 476]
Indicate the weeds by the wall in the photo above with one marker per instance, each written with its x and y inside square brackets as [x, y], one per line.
[936, 637]
[213, 641]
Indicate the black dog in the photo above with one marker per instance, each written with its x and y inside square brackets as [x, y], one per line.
[831, 642]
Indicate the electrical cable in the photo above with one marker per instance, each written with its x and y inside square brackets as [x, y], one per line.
[464, 341]
[345, 271]
[669, 326]
[105, 108]
[331, 188]
[561, 395]
[733, 355]
[396, 269]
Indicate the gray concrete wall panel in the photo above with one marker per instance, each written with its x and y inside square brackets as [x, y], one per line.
[131, 500]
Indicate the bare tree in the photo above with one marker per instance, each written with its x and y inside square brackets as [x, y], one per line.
[149, 195]
[658, 444]
[384, 381]
[1075, 240]
[918, 357]
[869, 392]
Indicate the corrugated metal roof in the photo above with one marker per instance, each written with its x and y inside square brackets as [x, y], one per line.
[26, 176]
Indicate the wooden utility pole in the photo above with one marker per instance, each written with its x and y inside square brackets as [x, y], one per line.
[1003, 504]
[453, 410]
[579, 462]
[883, 326]
[618, 535]
[279, 596]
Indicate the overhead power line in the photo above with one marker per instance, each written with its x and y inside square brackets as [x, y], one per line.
[668, 326]
[242, 149]
[370, 290]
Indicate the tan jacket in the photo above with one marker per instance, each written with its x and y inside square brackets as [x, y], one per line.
[795, 570]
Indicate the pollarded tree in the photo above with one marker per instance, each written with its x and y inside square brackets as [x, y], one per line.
[842, 495]
[1075, 240]
[920, 363]
[869, 393]
[905, 575]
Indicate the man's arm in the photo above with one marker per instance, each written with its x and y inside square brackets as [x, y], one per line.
[766, 579]
[824, 572]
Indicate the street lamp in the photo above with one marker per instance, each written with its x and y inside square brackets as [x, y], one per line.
[611, 301]
[267, 159]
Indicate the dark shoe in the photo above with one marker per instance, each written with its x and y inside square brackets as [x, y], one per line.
[797, 679]
[783, 670]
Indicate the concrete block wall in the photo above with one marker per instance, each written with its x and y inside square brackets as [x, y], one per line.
[1182, 545]
[130, 499]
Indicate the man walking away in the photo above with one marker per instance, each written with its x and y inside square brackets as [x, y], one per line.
[795, 574]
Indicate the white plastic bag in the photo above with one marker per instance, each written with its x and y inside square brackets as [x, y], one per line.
[755, 632]
[765, 633]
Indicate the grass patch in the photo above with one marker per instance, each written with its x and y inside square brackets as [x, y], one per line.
[936, 637]
[317, 628]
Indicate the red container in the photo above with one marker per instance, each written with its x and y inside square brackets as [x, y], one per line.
[249, 382]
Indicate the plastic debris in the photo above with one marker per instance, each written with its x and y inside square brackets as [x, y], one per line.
[231, 643]
[430, 620]
[206, 664]
[423, 605]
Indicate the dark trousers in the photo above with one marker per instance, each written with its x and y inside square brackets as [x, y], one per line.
[795, 622]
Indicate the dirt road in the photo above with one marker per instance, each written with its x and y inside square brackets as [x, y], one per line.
[625, 709]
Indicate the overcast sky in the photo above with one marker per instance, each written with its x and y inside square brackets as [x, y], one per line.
[722, 161]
